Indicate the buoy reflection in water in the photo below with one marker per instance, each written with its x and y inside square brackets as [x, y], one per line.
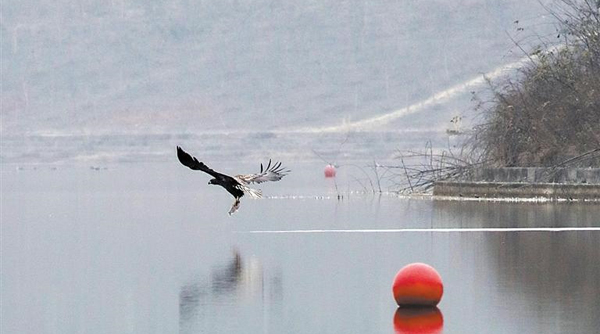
[418, 320]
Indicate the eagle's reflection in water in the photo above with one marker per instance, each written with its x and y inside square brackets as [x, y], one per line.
[226, 278]
[240, 279]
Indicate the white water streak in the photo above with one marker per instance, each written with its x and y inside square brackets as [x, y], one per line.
[436, 230]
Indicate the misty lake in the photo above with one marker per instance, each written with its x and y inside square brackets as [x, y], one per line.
[103, 231]
[149, 248]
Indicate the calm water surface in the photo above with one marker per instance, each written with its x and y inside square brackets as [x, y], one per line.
[149, 248]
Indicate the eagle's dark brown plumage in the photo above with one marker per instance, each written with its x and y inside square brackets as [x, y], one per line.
[237, 185]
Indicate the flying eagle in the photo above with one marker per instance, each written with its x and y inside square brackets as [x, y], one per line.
[237, 185]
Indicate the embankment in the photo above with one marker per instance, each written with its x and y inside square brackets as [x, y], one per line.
[526, 182]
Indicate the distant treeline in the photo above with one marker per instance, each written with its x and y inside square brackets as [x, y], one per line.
[551, 111]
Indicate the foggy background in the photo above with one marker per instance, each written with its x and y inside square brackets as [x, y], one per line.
[127, 80]
[91, 243]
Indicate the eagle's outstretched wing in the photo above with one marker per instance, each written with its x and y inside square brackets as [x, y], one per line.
[237, 186]
[193, 163]
[271, 173]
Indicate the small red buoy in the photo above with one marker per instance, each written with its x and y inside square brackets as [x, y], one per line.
[417, 284]
[329, 171]
[418, 320]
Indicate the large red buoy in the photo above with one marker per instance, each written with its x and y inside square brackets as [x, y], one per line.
[418, 320]
[330, 171]
[417, 284]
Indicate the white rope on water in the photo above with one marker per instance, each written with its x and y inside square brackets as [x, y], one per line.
[433, 230]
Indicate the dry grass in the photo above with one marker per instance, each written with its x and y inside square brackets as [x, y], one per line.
[551, 112]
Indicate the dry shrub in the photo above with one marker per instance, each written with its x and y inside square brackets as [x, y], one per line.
[551, 112]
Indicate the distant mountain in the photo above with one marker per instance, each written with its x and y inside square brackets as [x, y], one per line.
[186, 66]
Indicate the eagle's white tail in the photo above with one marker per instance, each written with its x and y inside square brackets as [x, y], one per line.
[254, 193]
